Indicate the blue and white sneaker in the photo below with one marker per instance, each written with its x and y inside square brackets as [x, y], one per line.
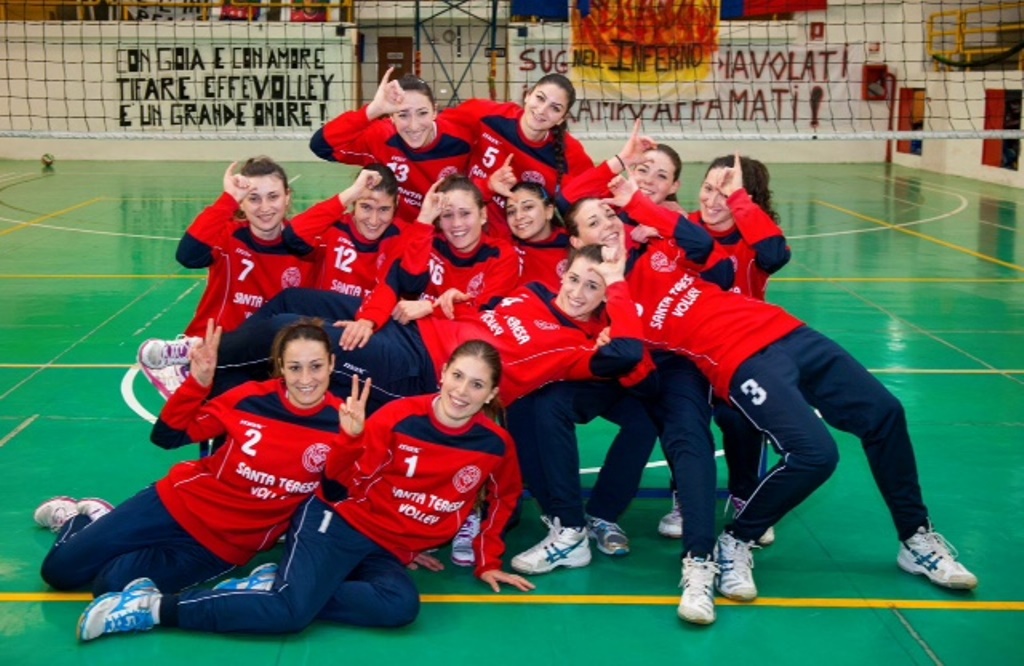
[260, 578]
[927, 553]
[116, 612]
[609, 538]
[562, 547]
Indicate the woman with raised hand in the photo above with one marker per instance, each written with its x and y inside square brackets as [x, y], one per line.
[421, 466]
[736, 209]
[528, 142]
[210, 515]
[239, 241]
[777, 371]
[462, 264]
[401, 129]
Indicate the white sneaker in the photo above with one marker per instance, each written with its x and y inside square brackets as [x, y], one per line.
[562, 547]
[462, 544]
[671, 524]
[166, 380]
[54, 512]
[928, 553]
[94, 507]
[698, 602]
[736, 568]
[156, 354]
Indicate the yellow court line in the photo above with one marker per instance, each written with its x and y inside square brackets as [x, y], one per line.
[29, 276]
[772, 602]
[918, 234]
[622, 600]
[49, 216]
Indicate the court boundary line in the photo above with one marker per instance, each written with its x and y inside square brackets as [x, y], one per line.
[74, 344]
[17, 431]
[627, 600]
[925, 237]
[849, 232]
[36, 221]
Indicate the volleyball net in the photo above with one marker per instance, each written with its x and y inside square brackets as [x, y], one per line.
[708, 69]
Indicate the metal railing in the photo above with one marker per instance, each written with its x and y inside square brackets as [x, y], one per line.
[973, 36]
[128, 10]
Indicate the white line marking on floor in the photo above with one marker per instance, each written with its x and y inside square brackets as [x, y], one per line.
[14, 433]
[128, 393]
[82, 339]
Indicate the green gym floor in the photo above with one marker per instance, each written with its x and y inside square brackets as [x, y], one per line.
[921, 276]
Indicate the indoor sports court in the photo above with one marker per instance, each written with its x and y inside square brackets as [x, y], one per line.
[916, 269]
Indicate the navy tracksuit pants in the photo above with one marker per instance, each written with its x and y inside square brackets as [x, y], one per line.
[329, 571]
[138, 538]
[777, 388]
[394, 357]
[543, 425]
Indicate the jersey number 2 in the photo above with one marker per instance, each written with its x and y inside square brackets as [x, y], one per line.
[254, 436]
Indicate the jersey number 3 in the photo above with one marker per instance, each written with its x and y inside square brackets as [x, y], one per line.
[757, 394]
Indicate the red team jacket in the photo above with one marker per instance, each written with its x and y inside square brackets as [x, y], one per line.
[238, 501]
[349, 264]
[496, 135]
[244, 271]
[544, 261]
[539, 344]
[417, 480]
[756, 244]
[486, 274]
[352, 138]
[346, 263]
[718, 330]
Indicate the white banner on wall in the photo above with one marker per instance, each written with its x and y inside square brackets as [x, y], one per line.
[158, 78]
[784, 88]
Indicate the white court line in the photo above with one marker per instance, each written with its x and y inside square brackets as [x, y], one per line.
[119, 234]
[830, 234]
[651, 465]
[85, 337]
[128, 393]
[170, 305]
[14, 433]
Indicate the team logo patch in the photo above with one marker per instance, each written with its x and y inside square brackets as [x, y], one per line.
[533, 177]
[291, 277]
[661, 262]
[476, 285]
[447, 171]
[380, 260]
[467, 478]
[545, 325]
[561, 267]
[314, 457]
